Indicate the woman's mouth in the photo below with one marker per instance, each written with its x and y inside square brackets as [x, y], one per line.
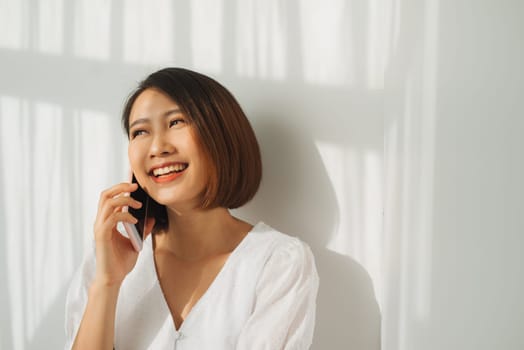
[168, 172]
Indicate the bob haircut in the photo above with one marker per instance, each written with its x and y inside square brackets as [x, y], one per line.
[222, 130]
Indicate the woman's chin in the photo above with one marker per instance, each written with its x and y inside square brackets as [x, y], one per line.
[180, 205]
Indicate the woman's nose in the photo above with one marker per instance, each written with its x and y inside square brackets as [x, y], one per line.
[160, 146]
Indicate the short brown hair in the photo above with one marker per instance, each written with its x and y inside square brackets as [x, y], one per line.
[221, 128]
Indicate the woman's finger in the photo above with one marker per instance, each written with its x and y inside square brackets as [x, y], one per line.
[111, 205]
[104, 230]
[123, 187]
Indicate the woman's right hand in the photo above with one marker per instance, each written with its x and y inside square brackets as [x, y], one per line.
[115, 255]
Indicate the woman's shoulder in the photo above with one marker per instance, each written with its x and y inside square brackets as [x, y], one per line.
[265, 232]
[289, 264]
[281, 248]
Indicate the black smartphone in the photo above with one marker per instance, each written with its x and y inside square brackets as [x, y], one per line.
[136, 232]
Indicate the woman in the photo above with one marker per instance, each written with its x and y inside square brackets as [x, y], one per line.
[204, 279]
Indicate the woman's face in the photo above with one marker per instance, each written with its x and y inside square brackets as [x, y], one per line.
[164, 153]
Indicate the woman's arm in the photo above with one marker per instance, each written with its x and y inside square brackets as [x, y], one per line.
[115, 258]
[98, 324]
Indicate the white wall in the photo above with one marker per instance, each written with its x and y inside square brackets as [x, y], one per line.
[454, 168]
[404, 107]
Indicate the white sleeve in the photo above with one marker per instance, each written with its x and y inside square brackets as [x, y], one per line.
[285, 306]
[76, 299]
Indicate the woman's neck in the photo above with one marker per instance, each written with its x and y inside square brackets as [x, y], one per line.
[199, 234]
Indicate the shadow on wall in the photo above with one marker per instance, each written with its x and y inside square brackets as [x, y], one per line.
[297, 197]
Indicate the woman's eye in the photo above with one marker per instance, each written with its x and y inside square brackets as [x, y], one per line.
[137, 133]
[176, 122]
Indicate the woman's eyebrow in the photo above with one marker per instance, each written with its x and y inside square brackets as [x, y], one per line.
[164, 115]
[172, 111]
[139, 121]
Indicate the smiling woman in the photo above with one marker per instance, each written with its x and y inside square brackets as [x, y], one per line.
[215, 122]
[204, 279]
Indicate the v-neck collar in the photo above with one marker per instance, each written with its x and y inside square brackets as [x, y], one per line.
[217, 280]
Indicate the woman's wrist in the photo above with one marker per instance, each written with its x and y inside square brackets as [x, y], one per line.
[100, 286]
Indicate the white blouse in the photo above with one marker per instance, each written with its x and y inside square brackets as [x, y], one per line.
[264, 297]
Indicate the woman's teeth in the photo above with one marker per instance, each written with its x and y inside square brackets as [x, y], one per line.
[169, 169]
